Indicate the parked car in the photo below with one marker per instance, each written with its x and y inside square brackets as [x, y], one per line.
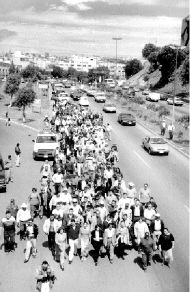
[109, 108]
[3, 186]
[76, 95]
[176, 100]
[100, 97]
[126, 119]
[155, 145]
[84, 100]
[153, 96]
[164, 96]
[91, 92]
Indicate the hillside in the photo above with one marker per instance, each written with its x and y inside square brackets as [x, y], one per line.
[153, 79]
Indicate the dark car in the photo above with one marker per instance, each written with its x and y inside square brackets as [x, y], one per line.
[2, 175]
[126, 119]
[76, 95]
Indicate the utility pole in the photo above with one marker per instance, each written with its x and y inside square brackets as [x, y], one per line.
[116, 40]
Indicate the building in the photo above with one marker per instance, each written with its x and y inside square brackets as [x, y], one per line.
[4, 69]
[83, 63]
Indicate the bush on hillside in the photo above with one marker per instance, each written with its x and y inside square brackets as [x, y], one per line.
[163, 111]
[151, 106]
[138, 100]
[184, 120]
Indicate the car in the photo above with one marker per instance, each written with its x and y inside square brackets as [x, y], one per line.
[63, 98]
[164, 96]
[126, 119]
[91, 92]
[3, 186]
[45, 145]
[76, 95]
[100, 97]
[84, 101]
[155, 145]
[145, 92]
[109, 108]
[176, 100]
[153, 96]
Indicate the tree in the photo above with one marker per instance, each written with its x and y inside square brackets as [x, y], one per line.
[185, 71]
[167, 62]
[25, 97]
[148, 49]
[153, 59]
[58, 72]
[12, 85]
[100, 72]
[12, 69]
[132, 67]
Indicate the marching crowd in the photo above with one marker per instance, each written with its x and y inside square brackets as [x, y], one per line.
[87, 205]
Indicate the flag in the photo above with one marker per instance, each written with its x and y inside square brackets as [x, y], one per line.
[185, 32]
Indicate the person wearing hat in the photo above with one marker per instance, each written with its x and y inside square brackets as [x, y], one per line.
[8, 224]
[146, 249]
[31, 235]
[131, 192]
[60, 240]
[156, 227]
[23, 215]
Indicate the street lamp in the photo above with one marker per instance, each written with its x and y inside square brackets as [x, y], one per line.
[116, 40]
[175, 47]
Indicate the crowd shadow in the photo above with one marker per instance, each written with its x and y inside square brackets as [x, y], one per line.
[138, 261]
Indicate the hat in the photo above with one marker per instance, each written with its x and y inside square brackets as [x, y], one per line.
[157, 215]
[131, 184]
[12, 200]
[65, 190]
[23, 205]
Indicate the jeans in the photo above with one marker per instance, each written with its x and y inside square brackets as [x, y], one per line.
[73, 244]
[17, 162]
[110, 249]
[9, 240]
[51, 242]
[146, 258]
[60, 253]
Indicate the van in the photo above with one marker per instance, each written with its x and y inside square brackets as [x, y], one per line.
[2, 175]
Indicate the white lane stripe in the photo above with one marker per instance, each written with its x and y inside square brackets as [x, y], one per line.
[23, 125]
[187, 208]
[142, 159]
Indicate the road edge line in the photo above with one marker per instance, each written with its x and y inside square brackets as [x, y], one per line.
[20, 124]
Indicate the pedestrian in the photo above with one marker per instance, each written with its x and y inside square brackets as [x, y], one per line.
[8, 224]
[171, 129]
[45, 277]
[108, 131]
[163, 126]
[122, 239]
[146, 248]
[17, 152]
[8, 120]
[9, 169]
[23, 215]
[110, 241]
[140, 228]
[50, 227]
[84, 236]
[13, 208]
[34, 202]
[166, 246]
[60, 240]
[97, 242]
[31, 235]
[73, 238]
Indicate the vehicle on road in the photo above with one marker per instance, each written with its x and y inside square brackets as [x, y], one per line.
[126, 119]
[109, 108]
[91, 92]
[45, 145]
[100, 97]
[110, 82]
[3, 186]
[76, 95]
[176, 101]
[84, 101]
[153, 96]
[155, 145]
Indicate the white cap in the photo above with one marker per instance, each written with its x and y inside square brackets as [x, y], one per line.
[157, 215]
[131, 184]
[23, 205]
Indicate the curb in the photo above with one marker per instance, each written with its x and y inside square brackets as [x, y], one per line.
[20, 124]
[171, 144]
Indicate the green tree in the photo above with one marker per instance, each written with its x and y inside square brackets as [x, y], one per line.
[95, 74]
[153, 59]
[58, 72]
[25, 97]
[132, 67]
[148, 49]
[167, 62]
[12, 69]
[12, 85]
[185, 71]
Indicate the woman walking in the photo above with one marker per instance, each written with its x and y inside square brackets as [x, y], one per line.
[60, 240]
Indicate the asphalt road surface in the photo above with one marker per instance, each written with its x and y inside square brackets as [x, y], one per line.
[168, 178]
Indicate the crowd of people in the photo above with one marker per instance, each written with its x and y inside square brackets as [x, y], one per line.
[87, 205]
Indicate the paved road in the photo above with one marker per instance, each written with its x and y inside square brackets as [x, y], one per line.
[171, 192]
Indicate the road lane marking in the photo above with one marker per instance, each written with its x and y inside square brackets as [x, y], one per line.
[142, 159]
[187, 208]
[19, 124]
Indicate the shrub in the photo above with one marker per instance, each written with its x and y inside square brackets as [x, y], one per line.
[145, 117]
[163, 111]
[180, 135]
[151, 106]
[139, 100]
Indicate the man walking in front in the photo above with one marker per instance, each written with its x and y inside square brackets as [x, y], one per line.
[17, 153]
[73, 237]
[146, 248]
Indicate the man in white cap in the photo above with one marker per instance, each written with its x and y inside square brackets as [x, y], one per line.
[131, 192]
[157, 227]
[23, 215]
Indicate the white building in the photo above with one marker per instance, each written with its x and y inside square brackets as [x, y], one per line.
[83, 63]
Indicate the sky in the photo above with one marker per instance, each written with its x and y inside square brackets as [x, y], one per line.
[67, 27]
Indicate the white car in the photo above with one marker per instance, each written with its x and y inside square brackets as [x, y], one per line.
[176, 100]
[100, 97]
[109, 108]
[91, 92]
[84, 101]
[45, 145]
[153, 96]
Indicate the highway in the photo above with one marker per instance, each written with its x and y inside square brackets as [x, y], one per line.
[168, 179]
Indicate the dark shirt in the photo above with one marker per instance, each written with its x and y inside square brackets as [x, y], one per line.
[166, 241]
[73, 233]
[147, 245]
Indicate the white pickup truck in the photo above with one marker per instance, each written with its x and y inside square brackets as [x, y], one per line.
[153, 96]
